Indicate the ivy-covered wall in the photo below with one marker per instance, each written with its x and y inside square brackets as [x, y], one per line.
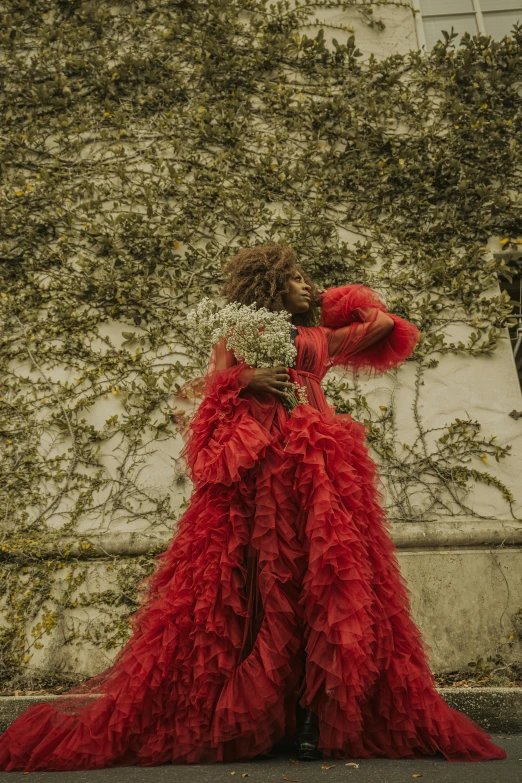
[142, 144]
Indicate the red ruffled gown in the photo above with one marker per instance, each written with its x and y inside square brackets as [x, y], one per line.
[281, 583]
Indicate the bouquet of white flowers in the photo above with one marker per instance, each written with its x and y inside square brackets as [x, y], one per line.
[259, 337]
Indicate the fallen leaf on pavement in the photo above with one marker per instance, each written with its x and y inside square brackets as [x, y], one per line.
[417, 775]
[352, 764]
[324, 766]
[294, 780]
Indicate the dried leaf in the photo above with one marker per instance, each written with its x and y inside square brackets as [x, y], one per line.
[294, 780]
[352, 764]
[417, 775]
[324, 766]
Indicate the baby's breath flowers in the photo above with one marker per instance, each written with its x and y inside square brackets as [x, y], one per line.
[297, 396]
[259, 337]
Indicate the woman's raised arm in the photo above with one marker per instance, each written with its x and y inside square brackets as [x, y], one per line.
[361, 333]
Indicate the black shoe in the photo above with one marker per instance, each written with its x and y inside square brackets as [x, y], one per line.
[308, 738]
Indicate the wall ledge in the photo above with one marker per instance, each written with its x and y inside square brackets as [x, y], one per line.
[446, 533]
[457, 532]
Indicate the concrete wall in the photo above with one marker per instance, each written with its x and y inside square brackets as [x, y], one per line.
[465, 587]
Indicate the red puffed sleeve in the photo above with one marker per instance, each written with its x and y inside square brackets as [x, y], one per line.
[361, 333]
[223, 439]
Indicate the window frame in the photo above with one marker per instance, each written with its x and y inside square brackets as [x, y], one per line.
[419, 26]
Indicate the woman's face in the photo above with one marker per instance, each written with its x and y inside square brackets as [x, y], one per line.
[298, 297]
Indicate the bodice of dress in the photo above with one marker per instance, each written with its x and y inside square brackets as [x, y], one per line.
[312, 350]
[311, 362]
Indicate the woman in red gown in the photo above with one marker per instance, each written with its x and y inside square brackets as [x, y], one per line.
[280, 588]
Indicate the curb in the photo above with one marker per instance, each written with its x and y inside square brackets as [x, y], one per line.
[495, 709]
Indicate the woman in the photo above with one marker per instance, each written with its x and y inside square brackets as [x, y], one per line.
[280, 590]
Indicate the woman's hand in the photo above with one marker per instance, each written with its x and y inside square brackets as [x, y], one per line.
[272, 380]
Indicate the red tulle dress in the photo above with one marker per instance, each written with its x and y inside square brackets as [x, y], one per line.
[281, 583]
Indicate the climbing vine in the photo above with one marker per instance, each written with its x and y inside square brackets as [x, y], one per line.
[142, 144]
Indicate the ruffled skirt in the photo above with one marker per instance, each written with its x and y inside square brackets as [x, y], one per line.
[291, 562]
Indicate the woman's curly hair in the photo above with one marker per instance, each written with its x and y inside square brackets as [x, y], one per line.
[260, 275]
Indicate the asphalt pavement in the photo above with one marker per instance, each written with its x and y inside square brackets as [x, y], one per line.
[433, 769]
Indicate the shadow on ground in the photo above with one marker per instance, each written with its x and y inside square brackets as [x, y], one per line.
[285, 768]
